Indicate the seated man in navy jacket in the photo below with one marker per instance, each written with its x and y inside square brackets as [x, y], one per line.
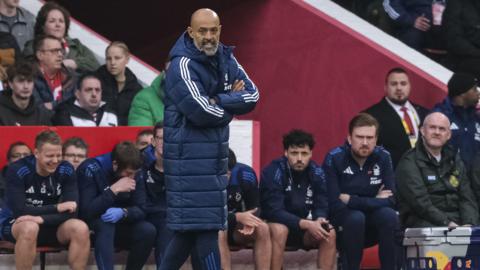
[294, 202]
[150, 191]
[42, 199]
[361, 185]
[244, 226]
[107, 204]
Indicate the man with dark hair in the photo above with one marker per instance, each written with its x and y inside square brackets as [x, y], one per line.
[244, 227]
[460, 108]
[150, 192]
[75, 151]
[144, 139]
[42, 198]
[106, 185]
[433, 186]
[205, 87]
[18, 106]
[361, 186]
[16, 151]
[55, 82]
[399, 118]
[87, 108]
[294, 202]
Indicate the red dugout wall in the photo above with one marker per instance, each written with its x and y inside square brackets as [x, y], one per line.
[100, 140]
[313, 73]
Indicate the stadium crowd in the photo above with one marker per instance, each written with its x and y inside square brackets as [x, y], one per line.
[401, 166]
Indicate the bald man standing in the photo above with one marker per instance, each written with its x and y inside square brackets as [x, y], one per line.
[433, 186]
[205, 87]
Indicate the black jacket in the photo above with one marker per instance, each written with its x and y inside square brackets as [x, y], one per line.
[69, 114]
[12, 115]
[462, 22]
[120, 101]
[392, 134]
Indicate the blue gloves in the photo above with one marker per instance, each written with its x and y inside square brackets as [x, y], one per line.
[113, 215]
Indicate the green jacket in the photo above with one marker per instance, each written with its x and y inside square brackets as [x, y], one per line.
[432, 193]
[82, 55]
[147, 106]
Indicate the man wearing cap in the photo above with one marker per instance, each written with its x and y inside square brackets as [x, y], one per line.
[459, 107]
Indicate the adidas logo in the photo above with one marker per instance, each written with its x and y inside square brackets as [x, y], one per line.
[30, 190]
[150, 180]
[348, 170]
[453, 126]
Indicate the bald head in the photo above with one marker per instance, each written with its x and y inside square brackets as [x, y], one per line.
[205, 30]
[203, 14]
[437, 118]
[435, 131]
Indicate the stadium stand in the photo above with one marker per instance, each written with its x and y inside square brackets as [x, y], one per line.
[301, 65]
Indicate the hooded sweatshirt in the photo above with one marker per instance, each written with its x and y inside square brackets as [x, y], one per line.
[12, 115]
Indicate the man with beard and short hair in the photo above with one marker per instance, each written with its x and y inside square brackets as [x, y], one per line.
[399, 118]
[87, 108]
[205, 87]
[293, 197]
[107, 204]
[361, 191]
[433, 185]
[17, 104]
[460, 108]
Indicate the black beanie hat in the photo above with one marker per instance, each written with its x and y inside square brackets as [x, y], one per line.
[460, 83]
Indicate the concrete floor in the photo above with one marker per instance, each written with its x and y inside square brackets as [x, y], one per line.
[241, 260]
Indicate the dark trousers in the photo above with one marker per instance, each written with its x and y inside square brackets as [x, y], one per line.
[164, 235]
[358, 229]
[203, 245]
[137, 237]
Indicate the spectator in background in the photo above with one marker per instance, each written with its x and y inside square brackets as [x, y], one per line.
[433, 186]
[294, 202]
[107, 203]
[462, 18]
[361, 188]
[399, 119]
[144, 139]
[415, 23]
[16, 21]
[54, 82]
[147, 106]
[16, 151]
[119, 84]
[87, 108]
[9, 54]
[244, 225]
[54, 20]
[75, 151]
[460, 108]
[18, 106]
[42, 200]
[150, 192]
